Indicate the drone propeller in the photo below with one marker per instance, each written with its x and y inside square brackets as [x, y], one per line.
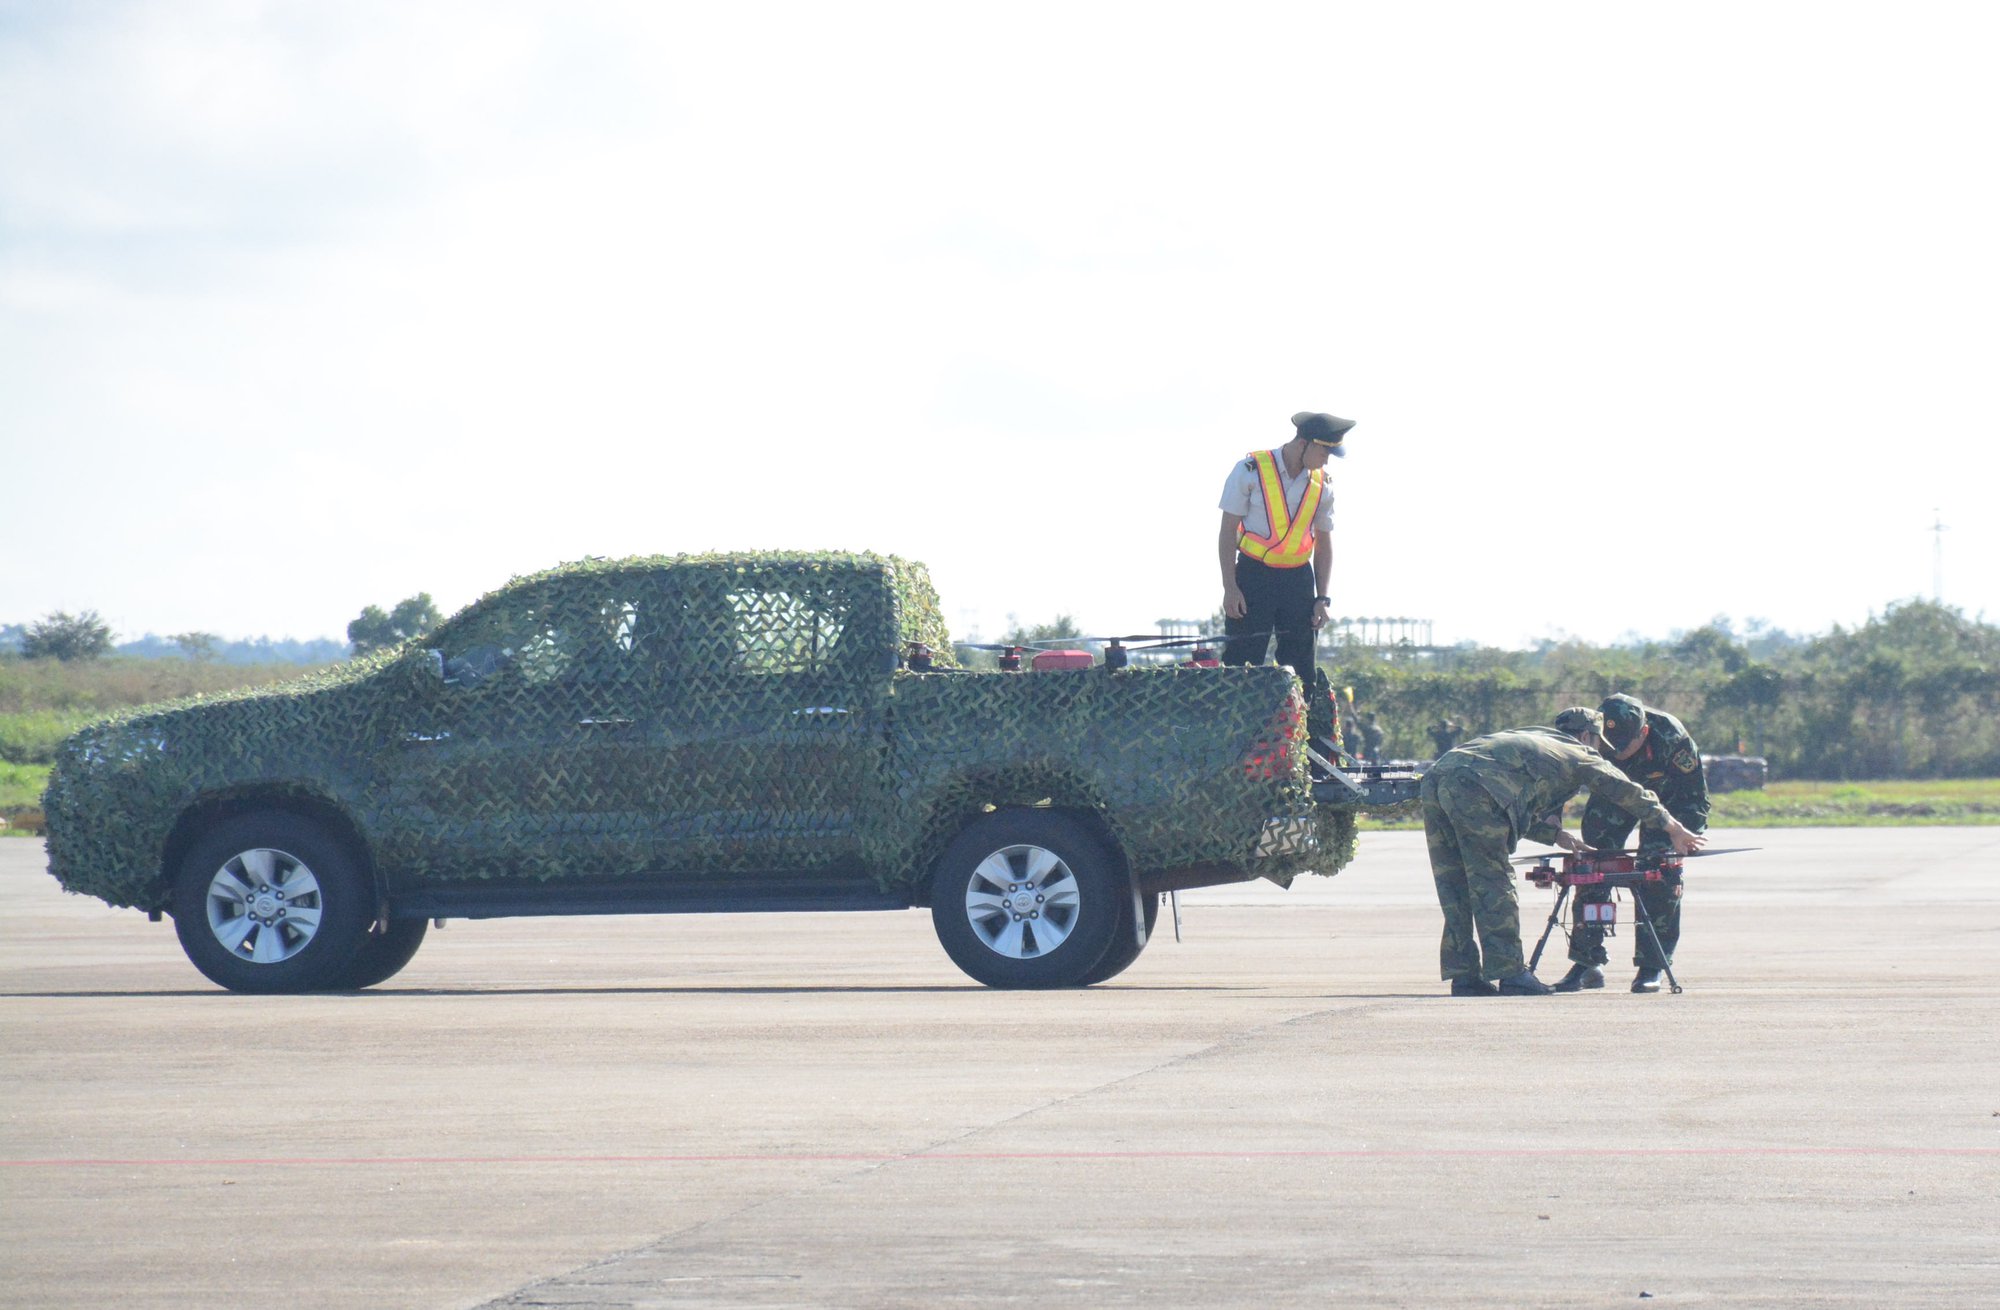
[1198, 639]
[1691, 855]
[1116, 650]
[1143, 639]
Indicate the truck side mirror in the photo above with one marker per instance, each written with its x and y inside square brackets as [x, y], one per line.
[471, 668]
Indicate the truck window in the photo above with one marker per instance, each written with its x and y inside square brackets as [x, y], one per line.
[787, 631]
[543, 640]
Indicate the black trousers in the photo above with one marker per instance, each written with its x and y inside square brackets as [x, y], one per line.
[1278, 601]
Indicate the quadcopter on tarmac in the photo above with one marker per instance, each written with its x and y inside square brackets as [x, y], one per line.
[1631, 869]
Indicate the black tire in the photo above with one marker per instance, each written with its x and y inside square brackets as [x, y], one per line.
[383, 954]
[1027, 898]
[1125, 944]
[270, 902]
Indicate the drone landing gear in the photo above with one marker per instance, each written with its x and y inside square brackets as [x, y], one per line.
[1644, 920]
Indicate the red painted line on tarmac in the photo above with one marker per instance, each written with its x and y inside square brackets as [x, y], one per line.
[979, 1157]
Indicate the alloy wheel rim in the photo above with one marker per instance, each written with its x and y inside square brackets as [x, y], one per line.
[263, 905]
[1022, 901]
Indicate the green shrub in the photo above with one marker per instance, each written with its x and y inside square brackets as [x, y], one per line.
[21, 787]
[32, 737]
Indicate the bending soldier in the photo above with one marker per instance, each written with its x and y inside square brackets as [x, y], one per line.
[1652, 749]
[1479, 800]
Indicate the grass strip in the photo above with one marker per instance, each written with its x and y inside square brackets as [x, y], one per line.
[1893, 803]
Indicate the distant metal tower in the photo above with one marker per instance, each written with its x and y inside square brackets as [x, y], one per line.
[1937, 557]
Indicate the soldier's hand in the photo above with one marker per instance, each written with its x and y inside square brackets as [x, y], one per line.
[1686, 842]
[1233, 603]
[1572, 843]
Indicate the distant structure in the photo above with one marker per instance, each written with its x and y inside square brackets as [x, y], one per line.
[1937, 557]
[1381, 634]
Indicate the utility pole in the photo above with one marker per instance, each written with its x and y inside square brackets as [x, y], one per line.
[1937, 557]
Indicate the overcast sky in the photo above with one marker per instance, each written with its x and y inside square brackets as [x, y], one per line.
[1646, 313]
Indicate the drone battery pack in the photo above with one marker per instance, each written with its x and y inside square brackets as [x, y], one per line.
[1061, 659]
[1601, 913]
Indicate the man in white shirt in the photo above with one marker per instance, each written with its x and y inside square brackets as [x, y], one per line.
[1276, 545]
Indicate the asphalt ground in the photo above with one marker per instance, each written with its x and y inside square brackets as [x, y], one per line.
[1283, 1109]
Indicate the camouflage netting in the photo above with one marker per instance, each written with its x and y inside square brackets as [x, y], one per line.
[719, 716]
[119, 787]
[1159, 753]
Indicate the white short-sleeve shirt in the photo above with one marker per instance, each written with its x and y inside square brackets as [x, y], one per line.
[1243, 495]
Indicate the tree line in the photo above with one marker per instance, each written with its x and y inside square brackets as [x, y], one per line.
[73, 638]
[1912, 693]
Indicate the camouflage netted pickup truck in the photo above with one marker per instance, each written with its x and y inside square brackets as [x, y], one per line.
[719, 733]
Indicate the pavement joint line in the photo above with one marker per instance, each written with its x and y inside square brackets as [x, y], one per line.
[976, 1157]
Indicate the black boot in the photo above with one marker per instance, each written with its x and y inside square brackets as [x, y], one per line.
[1472, 987]
[1647, 981]
[1523, 984]
[1580, 978]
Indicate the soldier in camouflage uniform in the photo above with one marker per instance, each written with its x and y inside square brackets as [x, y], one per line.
[1652, 749]
[1479, 799]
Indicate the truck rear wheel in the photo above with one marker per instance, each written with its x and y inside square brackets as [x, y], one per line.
[1027, 898]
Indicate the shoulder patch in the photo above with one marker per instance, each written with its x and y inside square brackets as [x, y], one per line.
[1686, 760]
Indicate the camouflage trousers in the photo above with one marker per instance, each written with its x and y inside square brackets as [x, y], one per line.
[1607, 829]
[1470, 841]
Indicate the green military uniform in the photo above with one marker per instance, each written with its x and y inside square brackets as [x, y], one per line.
[1479, 800]
[1669, 764]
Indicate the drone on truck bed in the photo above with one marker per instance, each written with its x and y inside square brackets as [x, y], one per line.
[1337, 777]
[1062, 653]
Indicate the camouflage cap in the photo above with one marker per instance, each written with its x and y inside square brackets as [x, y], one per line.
[1580, 719]
[1624, 716]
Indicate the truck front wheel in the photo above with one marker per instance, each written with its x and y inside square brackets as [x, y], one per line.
[270, 902]
[1027, 898]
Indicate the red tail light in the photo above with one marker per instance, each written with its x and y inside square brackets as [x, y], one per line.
[1274, 756]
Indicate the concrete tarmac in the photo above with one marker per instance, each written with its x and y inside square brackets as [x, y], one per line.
[1284, 1109]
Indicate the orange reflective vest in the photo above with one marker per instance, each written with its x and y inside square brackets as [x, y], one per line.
[1291, 540]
